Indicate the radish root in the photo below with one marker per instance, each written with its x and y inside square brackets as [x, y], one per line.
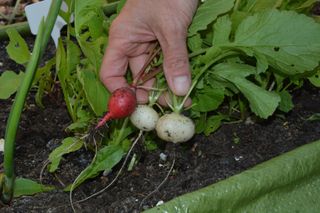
[113, 181]
[160, 185]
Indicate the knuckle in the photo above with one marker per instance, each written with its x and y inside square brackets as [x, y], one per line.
[176, 62]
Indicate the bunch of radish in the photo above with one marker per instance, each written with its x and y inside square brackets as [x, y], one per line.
[173, 127]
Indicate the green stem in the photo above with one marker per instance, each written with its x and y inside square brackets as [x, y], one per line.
[236, 5]
[124, 125]
[196, 53]
[42, 39]
[49, 23]
[14, 12]
[202, 71]
[22, 28]
[14, 118]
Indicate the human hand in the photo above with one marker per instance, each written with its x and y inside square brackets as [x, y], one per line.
[132, 33]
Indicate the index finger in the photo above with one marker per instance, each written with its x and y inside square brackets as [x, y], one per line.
[113, 68]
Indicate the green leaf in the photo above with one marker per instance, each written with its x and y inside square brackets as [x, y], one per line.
[208, 99]
[150, 144]
[78, 125]
[121, 5]
[314, 117]
[195, 42]
[84, 117]
[213, 123]
[201, 123]
[73, 56]
[89, 18]
[258, 5]
[9, 83]
[263, 103]
[62, 64]
[17, 48]
[222, 29]
[106, 159]
[96, 93]
[211, 54]
[70, 144]
[90, 30]
[315, 79]
[290, 42]
[286, 103]
[94, 51]
[24, 187]
[44, 80]
[207, 13]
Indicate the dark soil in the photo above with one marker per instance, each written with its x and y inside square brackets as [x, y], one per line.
[7, 8]
[200, 162]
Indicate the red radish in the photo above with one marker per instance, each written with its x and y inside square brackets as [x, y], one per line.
[121, 104]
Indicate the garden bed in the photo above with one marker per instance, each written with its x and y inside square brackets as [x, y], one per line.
[200, 162]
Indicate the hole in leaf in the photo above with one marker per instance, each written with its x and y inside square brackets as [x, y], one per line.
[292, 65]
[89, 39]
[276, 49]
[84, 29]
[16, 45]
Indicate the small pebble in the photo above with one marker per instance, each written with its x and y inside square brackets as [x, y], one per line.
[1, 64]
[160, 202]
[249, 121]
[238, 158]
[163, 157]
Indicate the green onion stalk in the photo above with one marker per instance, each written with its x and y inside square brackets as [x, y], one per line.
[43, 36]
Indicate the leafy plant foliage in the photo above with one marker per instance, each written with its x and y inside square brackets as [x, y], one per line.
[245, 56]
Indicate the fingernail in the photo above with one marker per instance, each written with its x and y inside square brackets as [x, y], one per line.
[181, 84]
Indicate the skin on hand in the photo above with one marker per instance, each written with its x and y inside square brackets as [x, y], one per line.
[132, 33]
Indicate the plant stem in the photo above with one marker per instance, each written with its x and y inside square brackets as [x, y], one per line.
[14, 12]
[236, 5]
[196, 53]
[14, 118]
[22, 28]
[124, 125]
[42, 39]
[197, 77]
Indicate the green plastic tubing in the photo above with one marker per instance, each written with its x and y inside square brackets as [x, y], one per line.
[287, 183]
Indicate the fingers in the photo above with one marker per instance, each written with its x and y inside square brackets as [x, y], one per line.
[136, 63]
[176, 61]
[113, 68]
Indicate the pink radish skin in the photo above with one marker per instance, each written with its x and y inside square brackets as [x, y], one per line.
[121, 104]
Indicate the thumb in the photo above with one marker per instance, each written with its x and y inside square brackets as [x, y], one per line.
[176, 63]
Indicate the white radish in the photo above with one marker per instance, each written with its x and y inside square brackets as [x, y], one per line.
[144, 118]
[175, 128]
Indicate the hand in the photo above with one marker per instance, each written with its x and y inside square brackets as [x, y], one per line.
[132, 33]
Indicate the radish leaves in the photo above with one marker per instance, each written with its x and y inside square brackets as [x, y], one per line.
[288, 41]
[208, 12]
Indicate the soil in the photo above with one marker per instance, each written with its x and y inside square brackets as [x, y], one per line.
[200, 162]
[7, 8]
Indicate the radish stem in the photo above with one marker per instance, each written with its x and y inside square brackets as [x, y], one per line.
[179, 107]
